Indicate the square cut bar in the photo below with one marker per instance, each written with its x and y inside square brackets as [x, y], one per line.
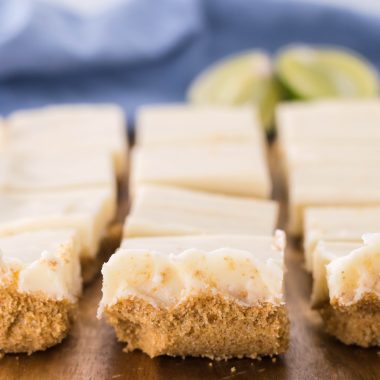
[338, 122]
[91, 129]
[227, 168]
[216, 296]
[182, 125]
[346, 289]
[308, 154]
[334, 185]
[329, 131]
[165, 211]
[87, 211]
[345, 224]
[54, 171]
[39, 285]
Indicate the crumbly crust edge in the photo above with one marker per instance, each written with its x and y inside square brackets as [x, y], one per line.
[206, 325]
[32, 322]
[357, 323]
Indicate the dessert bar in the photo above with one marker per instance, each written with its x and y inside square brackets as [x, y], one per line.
[182, 125]
[160, 210]
[346, 289]
[216, 296]
[227, 168]
[40, 284]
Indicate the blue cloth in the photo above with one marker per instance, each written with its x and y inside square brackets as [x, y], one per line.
[147, 51]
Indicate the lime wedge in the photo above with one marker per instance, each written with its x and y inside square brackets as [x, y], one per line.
[312, 73]
[242, 79]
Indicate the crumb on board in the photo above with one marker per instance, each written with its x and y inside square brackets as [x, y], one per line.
[233, 369]
[261, 369]
[210, 364]
[274, 360]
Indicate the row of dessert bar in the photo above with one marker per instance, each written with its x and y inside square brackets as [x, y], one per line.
[58, 169]
[200, 270]
[331, 153]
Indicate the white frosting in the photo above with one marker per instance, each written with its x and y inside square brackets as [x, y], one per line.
[335, 184]
[301, 153]
[178, 124]
[326, 166]
[301, 122]
[47, 171]
[227, 168]
[242, 268]
[159, 210]
[45, 262]
[352, 276]
[87, 211]
[337, 224]
[85, 128]
[324, 253]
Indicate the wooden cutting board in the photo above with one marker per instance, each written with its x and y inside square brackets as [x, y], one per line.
[92, 352]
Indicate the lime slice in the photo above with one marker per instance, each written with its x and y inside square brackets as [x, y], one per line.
[241, 79]
[312, 73]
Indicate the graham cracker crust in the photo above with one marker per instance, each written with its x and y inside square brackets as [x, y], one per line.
[204, 325]
[32, 322]
[358, 323]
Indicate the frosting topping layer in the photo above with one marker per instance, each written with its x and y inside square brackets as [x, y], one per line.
[243, 268]
[45, 261]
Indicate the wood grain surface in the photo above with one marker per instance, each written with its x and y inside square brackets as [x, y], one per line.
[92, 352]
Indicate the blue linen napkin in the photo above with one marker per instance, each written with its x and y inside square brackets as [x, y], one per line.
[147, 51]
